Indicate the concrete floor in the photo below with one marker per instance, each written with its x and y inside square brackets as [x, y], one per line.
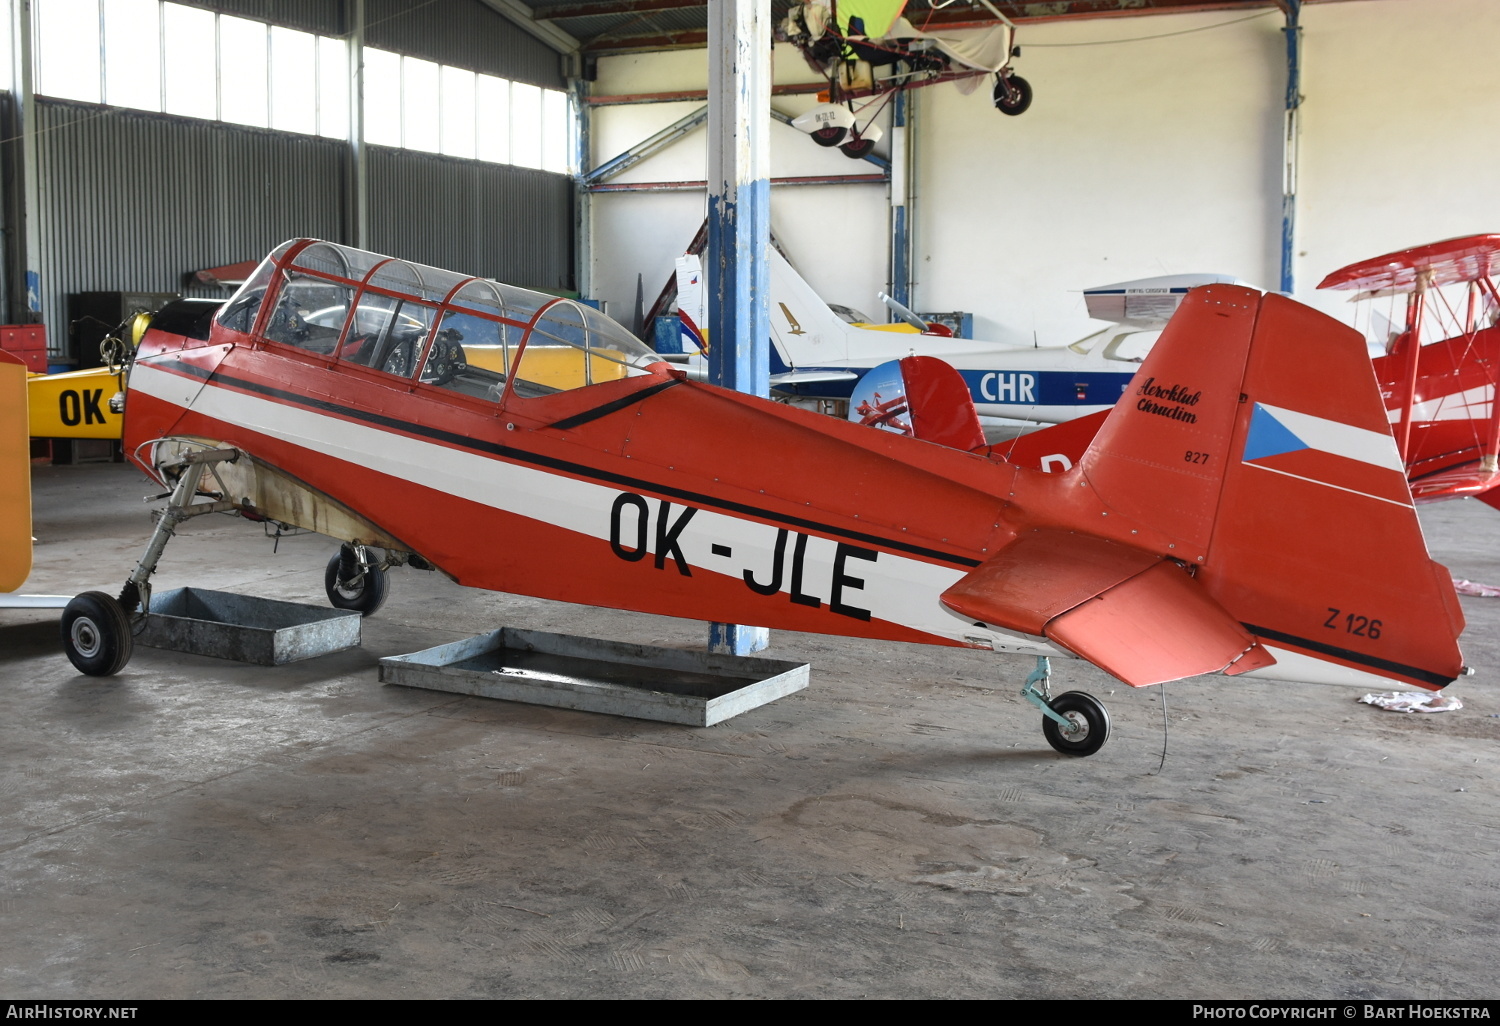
[201, 828]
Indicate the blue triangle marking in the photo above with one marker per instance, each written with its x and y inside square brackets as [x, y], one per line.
[1269, 437]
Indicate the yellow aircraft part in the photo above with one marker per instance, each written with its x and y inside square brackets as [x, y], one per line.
[75, 404]
[900, 329]
[15, 478]
[560, 367]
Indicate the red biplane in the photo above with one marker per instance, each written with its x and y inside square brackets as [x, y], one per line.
[522, 443]
[1439, 373]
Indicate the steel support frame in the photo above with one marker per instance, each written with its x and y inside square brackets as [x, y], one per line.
[356, 185]
[902, 109]
[24, 232]
[1292, 128]
[739, 222]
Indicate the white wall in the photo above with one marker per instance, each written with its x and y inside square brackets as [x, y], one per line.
[1157, 156]
[1137, 157]
[1400, 131]
[838, 236]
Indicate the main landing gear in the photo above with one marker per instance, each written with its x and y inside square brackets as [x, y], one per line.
[1074, 723]
[98, 632]
[355, 581]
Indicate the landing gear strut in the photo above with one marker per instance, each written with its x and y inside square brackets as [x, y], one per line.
[1074, 723]
[354, 581]
[98, 631]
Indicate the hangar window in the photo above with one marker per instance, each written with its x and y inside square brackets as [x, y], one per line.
[193, 62]
[216, 66]
[419, 105]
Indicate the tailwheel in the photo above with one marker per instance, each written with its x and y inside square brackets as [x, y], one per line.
[1088, 724]
[96, 634]
[1073, 723]
[352, 583]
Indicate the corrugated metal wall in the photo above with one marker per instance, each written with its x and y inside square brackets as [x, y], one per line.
[508, 223]
[466, 34]
[132, 201]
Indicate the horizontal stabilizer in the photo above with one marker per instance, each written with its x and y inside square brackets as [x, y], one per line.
[1121, 631]
[1052, 449]
[1041, 575]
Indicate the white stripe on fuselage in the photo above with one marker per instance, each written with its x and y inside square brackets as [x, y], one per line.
[897, 589]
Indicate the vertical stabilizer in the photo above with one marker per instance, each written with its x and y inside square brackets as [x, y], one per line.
[692, 304]
[803, 327]
[1255, 440]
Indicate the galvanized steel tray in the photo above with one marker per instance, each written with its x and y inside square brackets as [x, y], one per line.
[252, 630]
[622, 679]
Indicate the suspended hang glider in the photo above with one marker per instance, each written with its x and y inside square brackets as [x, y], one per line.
[527, 444]
[1442, 358]
[869, 51]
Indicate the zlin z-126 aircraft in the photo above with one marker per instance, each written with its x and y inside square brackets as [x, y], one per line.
[528, 444]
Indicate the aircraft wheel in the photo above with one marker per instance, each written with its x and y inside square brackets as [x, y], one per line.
[857, 148]
[830, 136]
[96, 634]
[364, 594]
[1090, 717]
[1012, 104]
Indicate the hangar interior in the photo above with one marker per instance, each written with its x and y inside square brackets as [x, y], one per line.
[198, 827]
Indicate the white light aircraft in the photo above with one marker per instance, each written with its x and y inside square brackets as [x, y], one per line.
[816, 354]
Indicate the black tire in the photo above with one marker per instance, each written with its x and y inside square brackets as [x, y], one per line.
[364, 595]
[96, 634]
[856, 149]
[1085, 710]
[1016, 104]
[830, 136]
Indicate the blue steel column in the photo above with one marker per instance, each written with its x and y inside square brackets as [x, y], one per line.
[1293, 32]
[739, 222]
[583, 202]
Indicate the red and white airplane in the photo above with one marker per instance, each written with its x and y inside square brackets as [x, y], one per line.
[528, 444]
[1438, 374]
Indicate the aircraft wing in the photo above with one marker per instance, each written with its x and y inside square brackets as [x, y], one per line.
[807, 377]
[1454, 483]
[1452, 260]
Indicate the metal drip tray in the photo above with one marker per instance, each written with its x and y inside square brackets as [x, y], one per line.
[251, 630]
[641, 681]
